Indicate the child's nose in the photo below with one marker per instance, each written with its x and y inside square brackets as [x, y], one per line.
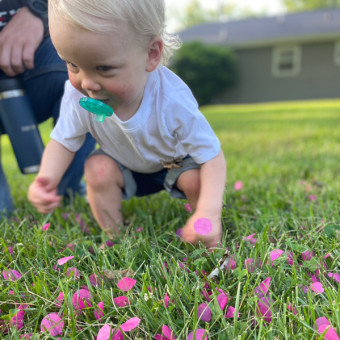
[89, 84]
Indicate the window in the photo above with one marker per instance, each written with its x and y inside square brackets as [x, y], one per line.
[337, 53]
[286, 61]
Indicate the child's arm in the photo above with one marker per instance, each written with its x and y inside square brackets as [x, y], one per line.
[43, 193]
[210, 202]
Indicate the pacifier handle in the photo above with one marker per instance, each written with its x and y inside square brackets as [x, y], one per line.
[97, 107]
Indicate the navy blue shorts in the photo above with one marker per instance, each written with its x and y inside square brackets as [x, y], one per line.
[140, 184]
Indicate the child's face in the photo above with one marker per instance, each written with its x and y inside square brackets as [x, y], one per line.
[111, 66]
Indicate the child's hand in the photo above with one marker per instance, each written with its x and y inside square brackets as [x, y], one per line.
[43, 194]
[211, 240]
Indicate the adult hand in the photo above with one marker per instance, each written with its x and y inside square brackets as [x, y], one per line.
[19, 40]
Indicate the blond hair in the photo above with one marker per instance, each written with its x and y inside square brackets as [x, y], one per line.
[145, 17]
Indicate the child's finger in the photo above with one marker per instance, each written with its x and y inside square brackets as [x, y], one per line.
[46, 208]
[44, 182]
[42, 198]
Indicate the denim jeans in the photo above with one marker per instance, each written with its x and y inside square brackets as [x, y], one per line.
[45, 86]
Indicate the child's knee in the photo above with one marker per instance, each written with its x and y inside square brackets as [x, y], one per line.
[101, 171]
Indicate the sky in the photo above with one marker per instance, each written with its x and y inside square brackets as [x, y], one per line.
[271, 7]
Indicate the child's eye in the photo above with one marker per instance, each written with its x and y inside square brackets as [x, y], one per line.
[104, 68]
[71, 65]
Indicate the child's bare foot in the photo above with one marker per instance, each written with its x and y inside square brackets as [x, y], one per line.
[116, 230]
[210, 237]
[112, 232]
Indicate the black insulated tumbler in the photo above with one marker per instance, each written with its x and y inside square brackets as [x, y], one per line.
[18, 121]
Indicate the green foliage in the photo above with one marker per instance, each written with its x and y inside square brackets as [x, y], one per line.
[195, 13]
[307, 5]
[207, 69]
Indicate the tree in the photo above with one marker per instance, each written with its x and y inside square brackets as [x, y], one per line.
[194, 13]
[207, 69]
[307, 5]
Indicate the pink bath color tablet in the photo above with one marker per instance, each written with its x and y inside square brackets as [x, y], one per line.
[203, 226]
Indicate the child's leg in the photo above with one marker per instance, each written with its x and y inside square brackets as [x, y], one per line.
[104, 182]
[189, 183]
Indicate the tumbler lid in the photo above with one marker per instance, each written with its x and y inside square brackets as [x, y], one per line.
[100, 109]
[8, 84]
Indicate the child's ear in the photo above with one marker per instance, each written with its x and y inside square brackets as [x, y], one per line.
[154, 54]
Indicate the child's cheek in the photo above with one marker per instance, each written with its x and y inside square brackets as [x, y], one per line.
[75, 83]
[121, 89]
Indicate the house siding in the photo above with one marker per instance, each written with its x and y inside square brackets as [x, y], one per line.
[319, 76]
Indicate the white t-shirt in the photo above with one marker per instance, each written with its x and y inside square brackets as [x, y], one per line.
[167, 126]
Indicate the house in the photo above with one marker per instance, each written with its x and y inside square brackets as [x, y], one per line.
[287, 57]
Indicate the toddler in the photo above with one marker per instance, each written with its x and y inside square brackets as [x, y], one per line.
[156, 139]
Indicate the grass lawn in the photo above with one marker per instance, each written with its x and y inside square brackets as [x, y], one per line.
[281, 235]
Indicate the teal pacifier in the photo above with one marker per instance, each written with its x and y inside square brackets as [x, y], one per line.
[100, 109]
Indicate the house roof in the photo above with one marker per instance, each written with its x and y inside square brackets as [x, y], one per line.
[303, 26]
